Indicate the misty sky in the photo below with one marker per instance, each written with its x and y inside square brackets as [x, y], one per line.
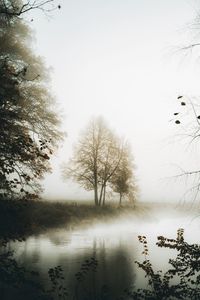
[121, 60]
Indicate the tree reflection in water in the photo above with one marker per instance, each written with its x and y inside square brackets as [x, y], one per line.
[180, 281]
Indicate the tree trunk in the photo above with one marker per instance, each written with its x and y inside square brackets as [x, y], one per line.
[104, 195]
[101, 194]
[96, 195]
[120, 199]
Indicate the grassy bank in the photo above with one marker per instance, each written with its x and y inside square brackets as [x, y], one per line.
[22, 218]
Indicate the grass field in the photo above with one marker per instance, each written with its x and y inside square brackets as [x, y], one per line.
[18, 219]
[22, 218]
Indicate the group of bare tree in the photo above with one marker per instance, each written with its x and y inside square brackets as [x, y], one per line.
[102, 161]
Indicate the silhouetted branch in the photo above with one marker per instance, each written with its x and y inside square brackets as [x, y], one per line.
[15, 11]
[191, 46]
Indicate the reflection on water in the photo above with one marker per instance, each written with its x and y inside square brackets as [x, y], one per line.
[70, 249]
[114, 245]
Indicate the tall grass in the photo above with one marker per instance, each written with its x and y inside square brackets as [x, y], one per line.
[21, 218]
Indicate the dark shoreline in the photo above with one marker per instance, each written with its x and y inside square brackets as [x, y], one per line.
[19, 218]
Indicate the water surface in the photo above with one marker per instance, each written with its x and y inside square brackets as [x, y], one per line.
[113, 244]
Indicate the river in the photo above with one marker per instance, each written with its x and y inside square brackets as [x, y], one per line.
[114, 245]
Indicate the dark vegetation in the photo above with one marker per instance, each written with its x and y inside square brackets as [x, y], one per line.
[29, 131]
[18, 283]
[21, 218]
[180, 281]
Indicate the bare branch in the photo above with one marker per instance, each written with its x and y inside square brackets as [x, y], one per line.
[14, 11]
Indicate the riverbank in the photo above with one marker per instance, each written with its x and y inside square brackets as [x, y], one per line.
[21, 218]
[63, 253]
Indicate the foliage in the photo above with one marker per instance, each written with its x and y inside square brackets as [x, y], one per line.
[181, 281]
[17, 8]
[29, 125]
[88, 265]
[18, 283]
[57, 280]
[84, 279]
[84, 287]
[123, 181]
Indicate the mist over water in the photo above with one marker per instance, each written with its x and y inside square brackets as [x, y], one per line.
[113, 244]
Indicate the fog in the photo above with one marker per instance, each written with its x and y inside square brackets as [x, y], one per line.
[114, 243]
[122, 60]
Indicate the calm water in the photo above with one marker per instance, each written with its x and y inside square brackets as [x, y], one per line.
[114, 244]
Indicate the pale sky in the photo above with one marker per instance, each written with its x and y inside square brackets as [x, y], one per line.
[120, 59]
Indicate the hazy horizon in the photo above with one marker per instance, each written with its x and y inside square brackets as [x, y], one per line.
[121, 60]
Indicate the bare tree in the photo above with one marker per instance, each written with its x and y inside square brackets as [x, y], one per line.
[96, 159]
[123, 181]
[109, 162]
[187, 118]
